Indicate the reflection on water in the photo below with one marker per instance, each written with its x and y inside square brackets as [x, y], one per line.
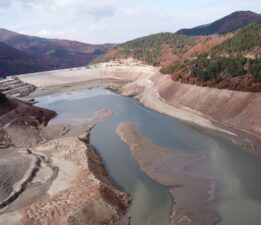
[237, 170]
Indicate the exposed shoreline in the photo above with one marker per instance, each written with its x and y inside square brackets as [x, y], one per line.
[145, 84]
[139, 81]
[65, 182]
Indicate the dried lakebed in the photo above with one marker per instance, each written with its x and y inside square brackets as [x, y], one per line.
[227, 176]
[51, 174]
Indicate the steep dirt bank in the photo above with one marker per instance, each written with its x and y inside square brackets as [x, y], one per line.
[235, 115]
[53, 179]
[240, 110]
[18, 118]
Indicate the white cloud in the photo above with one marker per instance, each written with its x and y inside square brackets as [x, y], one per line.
[100, 12]
[47, 33]
[97, 21]
[5, 3]
[93, 8]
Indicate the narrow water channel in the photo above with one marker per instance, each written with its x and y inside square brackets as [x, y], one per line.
[236, 169]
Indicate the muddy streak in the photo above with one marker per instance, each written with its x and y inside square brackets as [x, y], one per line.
[192, 194]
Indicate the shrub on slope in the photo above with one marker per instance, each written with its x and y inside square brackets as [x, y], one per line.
[149, 49]
[245, 40]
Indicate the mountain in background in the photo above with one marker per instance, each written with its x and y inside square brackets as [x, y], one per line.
[225, 25]
[13, 61]
[231, 61]
[159, 49]
[53, 53]
[233, 64]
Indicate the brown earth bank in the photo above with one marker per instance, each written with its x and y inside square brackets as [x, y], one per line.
[18, 118]
[240, 110]
[232, 114]
[53, 179]
[192, 194]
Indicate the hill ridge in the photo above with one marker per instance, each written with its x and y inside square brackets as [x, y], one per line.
[53, 53]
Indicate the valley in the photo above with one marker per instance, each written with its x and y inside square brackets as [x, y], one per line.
[145, 83]
[164, 129]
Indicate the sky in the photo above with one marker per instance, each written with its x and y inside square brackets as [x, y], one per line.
[112, 21]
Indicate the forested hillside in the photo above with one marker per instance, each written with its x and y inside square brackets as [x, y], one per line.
[152, 49]
[14, 62]
[229, 61]
[246, 40]
[52, 53]
[235, 64]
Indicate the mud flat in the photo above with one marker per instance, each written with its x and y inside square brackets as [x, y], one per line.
[230, 114]
[53, 180]
[192, 194]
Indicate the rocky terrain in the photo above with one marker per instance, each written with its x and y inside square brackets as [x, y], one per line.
[12, 86]
[53, 179]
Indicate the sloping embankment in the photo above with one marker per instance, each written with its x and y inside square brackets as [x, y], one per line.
[239, 110]
[56, 181]
[225, 111]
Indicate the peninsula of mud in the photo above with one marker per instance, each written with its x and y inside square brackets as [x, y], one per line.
[51, 174]
[191, 194]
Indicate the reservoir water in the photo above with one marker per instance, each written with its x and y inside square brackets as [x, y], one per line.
[236, 169]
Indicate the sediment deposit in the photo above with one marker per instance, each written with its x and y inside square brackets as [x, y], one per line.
[61, 179]
[235, 115]
[57, 179]
[191, 194]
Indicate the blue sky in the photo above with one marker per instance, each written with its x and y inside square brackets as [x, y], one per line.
[115, 21]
